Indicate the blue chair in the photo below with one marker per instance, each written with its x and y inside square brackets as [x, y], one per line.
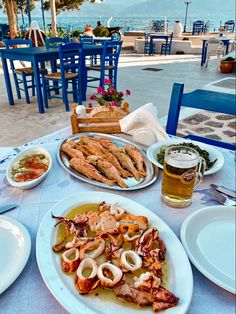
[55, 41]
[70, 72]
[158, 25]
[21, 75]
[84, 39]
[166, 48]
[198, 27]
[200, 99]
[229, 26]
[108, 64]
[147, 45]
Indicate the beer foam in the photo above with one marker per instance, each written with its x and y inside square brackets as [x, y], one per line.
[181, 160]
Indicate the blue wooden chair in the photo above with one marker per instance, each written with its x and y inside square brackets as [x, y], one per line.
[84, 39]
[166, 48]
[23, 77]
[55, 41]
[147, 45]
[229, 26]
[198, 27]
[108, 64]
[70, 72]
[200, 99]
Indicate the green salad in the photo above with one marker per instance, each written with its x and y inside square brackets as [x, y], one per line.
[203, 153]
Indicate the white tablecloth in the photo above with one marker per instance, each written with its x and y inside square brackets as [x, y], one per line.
[29, 294]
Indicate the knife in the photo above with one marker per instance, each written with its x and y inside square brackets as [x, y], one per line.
[5, 208]
[224, 190]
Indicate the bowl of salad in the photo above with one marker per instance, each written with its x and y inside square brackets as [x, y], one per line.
[213, 157]
[29, 168]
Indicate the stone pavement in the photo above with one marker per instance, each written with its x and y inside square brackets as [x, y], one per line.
[150, 79]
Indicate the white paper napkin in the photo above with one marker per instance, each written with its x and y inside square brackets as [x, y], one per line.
[143, 125]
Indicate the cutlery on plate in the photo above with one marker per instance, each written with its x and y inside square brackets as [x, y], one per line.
[224, 190]
[221, 198]
[5, 208]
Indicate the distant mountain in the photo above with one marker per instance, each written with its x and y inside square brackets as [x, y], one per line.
[151, 8]
[177, 8]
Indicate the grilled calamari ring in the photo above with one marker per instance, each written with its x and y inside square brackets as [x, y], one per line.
[131, 260]
[86, 284]
[107, 270]
[69, 265]
[94, 248]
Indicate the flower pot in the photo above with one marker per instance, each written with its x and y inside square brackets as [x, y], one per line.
[227, 66]
[178, 29]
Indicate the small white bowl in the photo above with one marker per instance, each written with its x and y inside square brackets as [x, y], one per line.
[32, 183]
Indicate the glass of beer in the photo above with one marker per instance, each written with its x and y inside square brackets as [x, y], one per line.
[183, 171]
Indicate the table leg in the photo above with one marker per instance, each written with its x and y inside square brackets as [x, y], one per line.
[54, 70]
[7, 81]
[83, 77]
[166, 47]
[151, 47]
[38, 85]
[203, 58]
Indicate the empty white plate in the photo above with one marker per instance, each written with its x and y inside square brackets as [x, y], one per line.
[15, 247]
[208, 236]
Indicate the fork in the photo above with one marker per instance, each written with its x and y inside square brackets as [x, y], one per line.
[222, 198]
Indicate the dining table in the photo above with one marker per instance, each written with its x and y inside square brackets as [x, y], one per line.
[37, 56]
[29, 294]
[158, 36]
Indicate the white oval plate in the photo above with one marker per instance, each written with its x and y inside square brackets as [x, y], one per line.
[154, 149]
[208, 236]
[62, 286]
[15, 247]
[32, 183]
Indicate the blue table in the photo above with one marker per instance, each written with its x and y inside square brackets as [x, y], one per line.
[157, 36]
[37, 55]
[204, 48]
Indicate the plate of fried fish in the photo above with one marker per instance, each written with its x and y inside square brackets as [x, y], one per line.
[107, 161]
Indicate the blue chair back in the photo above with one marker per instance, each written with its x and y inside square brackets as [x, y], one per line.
[200, 99]
[111, 52]
[55, 41]
[198, 27]
[229, 25]
[170, 39]
[70, 58]
[10, 43]
[84, 39]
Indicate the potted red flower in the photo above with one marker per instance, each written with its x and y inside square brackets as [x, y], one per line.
[108, 99]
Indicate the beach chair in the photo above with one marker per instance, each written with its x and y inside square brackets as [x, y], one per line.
[23, 77]
[166, 48]
[108, 64]
[200, 99]
[70, 73]
[229, 26]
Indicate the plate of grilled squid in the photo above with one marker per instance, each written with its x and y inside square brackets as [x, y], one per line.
[106, 160]
[100, 253]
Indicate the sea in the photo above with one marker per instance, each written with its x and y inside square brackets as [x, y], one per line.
[73, 22]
